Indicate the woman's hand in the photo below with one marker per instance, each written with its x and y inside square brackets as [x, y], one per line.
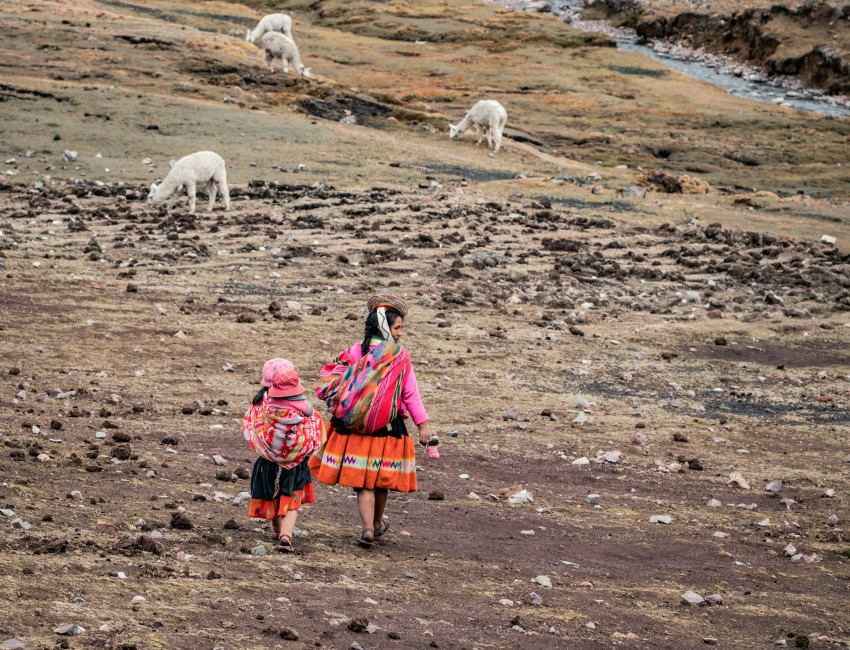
[424, 433]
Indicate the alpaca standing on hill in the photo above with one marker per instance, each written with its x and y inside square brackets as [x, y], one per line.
[201, 167]
[271, 23]
[279, 47]
[487, 116]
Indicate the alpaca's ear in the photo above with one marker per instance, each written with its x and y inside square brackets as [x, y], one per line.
[172, 163]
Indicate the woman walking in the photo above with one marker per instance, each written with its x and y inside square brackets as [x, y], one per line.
[370, 389]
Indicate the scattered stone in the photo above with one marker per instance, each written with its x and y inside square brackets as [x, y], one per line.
[714, 600]
[581, 461]
[259, 550]
[714, 503]
[288, 634]
[21, 524]
[180, 521]
[13, 644]
[121, 452]
[543, 581]
[219, 460]
[661, 519]
[523, 496]
[592, 499]
[773, 486]
[108, 528]
[692, 599]
[71, 629]
[436, 495]
[638, 438]
[635, 191]
[608, 456]
[358, 624]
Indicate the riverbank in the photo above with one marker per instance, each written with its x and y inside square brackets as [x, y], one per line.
[805, 42]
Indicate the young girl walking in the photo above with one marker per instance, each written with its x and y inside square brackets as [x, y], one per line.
[284, 429]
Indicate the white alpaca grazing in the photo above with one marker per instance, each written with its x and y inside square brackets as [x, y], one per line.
[279, 47]
[271, 23]
[201, 167]
[487, 116]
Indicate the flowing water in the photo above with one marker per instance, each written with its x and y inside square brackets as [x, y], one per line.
[737, 78]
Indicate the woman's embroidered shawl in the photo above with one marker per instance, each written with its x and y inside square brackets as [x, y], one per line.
[365, 393]
[283, 436]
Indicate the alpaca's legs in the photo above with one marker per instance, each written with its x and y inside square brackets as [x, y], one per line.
[211, 188]
[190, 191]
[222, 187]
[480, 133]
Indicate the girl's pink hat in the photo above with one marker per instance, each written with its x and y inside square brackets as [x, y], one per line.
[281, 378]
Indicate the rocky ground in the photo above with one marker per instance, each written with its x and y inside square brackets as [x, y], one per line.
[639, 394]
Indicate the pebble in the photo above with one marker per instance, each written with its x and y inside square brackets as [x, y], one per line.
[581, 403]
[714, 599]
[13, 644]
[522, 496]
[473, 495]
[70, 629]
[608, 456]
[7, 513]
[714, 503]
[773, 486]
[219, 460]
[691, 599]
[20, 523]
[638, 439]
[661, 519]
[535, 599]
[259, 550]
[543, 581]
[592, 499]
[580, 418]
[790, 550]
[581, 461]
[833, 519]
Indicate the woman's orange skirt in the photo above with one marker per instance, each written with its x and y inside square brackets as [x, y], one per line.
[370, 462]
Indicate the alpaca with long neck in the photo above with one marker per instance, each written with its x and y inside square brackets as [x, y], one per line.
[203, 167]
[487, 116]
[271, 23]
[279, 47]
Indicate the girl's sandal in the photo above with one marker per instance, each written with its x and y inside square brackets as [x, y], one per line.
[363, 542]
[285, 545]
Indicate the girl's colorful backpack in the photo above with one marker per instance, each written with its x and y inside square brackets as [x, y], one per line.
[283, 436]
[365, 394]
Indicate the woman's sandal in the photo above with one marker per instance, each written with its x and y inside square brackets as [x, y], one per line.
[285, 543]
[366, 543]
[386, 527]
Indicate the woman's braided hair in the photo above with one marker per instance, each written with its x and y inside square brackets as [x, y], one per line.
[372, 330]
